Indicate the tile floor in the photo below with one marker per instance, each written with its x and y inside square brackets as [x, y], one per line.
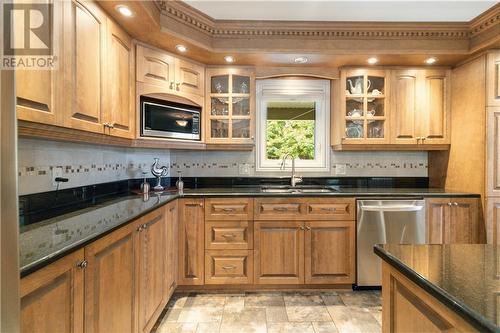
[273, 312]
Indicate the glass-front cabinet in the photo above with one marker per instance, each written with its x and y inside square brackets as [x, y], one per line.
[230, 106]
[363, 107]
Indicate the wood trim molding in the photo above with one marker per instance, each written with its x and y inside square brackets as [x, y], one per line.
[29, 129]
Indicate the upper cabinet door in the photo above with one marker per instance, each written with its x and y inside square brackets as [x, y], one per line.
[493, 151]
[435, 106]
[493, 79]
[38, 93]
[155, 67]
[120, 83]
[189, 77]
[404, 106]
[85, 44]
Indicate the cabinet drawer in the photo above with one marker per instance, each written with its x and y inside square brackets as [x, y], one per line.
[228, 267]
[331, 209]
[278, 209]
[220, 235]
[228, 209]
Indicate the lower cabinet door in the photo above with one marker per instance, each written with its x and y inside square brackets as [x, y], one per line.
[329, 252]
[464, 225]
[151, 257]
[279, 252]
[229, 267]
[52, 298]
[171, 230]
[109, 283]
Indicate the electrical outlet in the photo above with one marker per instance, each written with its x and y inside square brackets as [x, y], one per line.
[56, 172]
[340, 169]
[243, 169]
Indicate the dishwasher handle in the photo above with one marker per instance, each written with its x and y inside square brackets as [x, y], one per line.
[392, 208]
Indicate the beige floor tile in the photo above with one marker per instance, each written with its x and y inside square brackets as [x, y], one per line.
[200, 315]
[208, 328]
[290, 328]
[276, 314]
[245, 328]
[178, 300]
[303, 300]
[171, 315]
[324, 327]
[262, 300]
[177, 328]
[205, 301]
[377, 313]
[362, 299]
[244, 316]
[350, 319]
[331, 299]
[307, 313]
[234, 303]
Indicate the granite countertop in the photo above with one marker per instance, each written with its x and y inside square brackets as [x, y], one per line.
[464, 277]
[43, 242]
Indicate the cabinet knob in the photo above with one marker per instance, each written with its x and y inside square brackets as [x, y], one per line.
[112, 125]
[455, 204]
[449, 203]
[82, 264]
[171, 84]
[302, 228]
[178, 86]
[308, 228]
[423, 138]
[201, 204]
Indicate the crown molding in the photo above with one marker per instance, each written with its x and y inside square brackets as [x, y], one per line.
[214, 30]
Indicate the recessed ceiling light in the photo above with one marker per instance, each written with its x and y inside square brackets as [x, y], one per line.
[229, 58]
[430, 60]
[124, 10]
[181, 48]
[372, 60]
[300, 60]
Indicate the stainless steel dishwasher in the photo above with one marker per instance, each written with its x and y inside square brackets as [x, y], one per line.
[384, 221]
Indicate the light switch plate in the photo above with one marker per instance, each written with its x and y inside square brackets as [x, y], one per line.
[340, 169]
[243, 169]
[56, 172]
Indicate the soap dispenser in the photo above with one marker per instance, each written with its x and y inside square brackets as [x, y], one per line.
[180, 183]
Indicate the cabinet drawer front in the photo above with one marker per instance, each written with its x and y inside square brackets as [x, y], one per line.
[340, 210]
[278, 209]
[229, 267]
[228, 209]
[229, 235]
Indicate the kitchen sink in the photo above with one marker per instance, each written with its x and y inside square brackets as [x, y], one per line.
[298, 189]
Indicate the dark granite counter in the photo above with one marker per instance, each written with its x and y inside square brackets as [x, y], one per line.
[464, 277]
[49, 239]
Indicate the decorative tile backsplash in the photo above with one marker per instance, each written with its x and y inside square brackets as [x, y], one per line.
[85, 164]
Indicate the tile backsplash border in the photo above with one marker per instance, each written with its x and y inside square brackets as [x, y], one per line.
[86, 164]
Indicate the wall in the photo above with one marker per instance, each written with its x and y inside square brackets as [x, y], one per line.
[90, 164]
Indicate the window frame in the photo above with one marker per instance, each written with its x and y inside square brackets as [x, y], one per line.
[317, 91]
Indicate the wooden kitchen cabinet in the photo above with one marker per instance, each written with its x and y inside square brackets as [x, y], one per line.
[52, 299]
[85, 63]
[189, 77]
[493, 220]
[110, 289]
[230, 106]
[329, 252]
[38, 94]
[229, 267]
[454, 220]
[172, 260]
[119, 91]
[420, 106]
[493, 151]
[151, 255]
[493, 78]
[363, 110]
[191, 242]
[279, 252]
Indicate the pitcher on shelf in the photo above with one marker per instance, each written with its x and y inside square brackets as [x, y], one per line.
[357, 88]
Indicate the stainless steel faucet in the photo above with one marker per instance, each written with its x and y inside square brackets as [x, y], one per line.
[294, 179]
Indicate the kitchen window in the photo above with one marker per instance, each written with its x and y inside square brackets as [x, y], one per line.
[293, 118]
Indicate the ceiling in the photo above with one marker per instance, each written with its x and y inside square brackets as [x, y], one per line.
[332, 10]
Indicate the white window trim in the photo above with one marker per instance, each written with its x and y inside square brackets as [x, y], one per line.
[306, 89]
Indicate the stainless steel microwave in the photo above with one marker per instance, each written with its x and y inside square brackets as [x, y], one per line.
[166, 119]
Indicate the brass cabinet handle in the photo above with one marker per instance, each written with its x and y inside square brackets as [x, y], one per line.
[302, 228]
[280, 209]
[229, 235]
[229, 210]
[455, 204]
[308, 228]
[328, 209]
[82, 264]
[171, 84]
[177, 86]
[449, 203]
[229, 267]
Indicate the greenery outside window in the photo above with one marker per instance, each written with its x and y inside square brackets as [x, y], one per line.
[293, 118]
